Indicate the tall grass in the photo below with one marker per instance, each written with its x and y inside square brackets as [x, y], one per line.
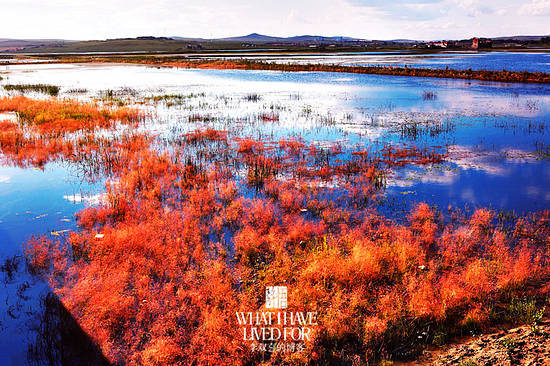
[59, 116]
[190, 235]
[52, 90]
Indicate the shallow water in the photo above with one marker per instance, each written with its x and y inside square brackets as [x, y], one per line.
[496, 136]
[461, 60]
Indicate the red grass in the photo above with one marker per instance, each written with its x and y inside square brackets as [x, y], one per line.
[488, 75]
[59, 116]
[42, 133]
[185, 246]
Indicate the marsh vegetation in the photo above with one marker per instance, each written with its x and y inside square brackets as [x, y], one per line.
[210, 194]
[52, 90]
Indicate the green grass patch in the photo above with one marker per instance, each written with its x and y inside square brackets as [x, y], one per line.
[52, 90]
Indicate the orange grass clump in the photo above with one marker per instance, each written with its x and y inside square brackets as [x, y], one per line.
[157, 272]
[42, 133]
[487, 75]
[59, 116]
[184, 247]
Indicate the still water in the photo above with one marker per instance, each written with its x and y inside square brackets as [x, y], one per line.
[460, 60]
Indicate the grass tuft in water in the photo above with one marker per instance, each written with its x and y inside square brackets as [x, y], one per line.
[52, 90]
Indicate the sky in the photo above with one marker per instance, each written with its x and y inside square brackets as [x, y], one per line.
[368, 19]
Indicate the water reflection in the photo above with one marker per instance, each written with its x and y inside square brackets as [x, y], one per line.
[31, 202]
[500, 123]
[50, 334]
[59, 338]
[461, 60]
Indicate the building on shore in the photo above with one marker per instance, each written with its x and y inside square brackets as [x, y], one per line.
[481, 43]
[442, 44]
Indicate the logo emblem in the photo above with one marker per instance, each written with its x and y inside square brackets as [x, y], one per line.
[276, 297]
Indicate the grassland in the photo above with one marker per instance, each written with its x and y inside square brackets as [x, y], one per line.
[486, 75]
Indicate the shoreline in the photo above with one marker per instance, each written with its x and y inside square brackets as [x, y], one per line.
[502, 76]
[483, 75]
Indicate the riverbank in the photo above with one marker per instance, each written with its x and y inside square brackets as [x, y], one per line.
[485, 75]
[503, 76]
[525, 345]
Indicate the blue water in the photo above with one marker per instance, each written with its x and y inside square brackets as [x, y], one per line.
[481, 60]
[32, 202]
[461, 60]
[493, 131]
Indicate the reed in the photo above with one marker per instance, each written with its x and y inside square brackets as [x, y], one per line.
[52, 90]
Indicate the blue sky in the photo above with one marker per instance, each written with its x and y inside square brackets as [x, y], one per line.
[370, 19]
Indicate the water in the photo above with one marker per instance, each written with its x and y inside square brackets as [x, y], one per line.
[496, 133]
[496, 137]
[32, 202]
[461, 60]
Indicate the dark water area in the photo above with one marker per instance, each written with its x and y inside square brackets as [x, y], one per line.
[33, 202]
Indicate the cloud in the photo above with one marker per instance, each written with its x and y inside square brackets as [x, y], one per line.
[536, 7]
[411, 178]
[371, 19]
[405, 9]
[92, 200]
[383, 3]
[477, 8]
[491, 162]
[468, 195]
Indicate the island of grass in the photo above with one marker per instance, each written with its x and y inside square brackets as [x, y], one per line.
[52, 90]
[504, 76]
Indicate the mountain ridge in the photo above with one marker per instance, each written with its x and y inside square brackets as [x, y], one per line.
[256, 37]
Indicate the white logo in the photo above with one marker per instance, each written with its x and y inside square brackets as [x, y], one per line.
[276, 297]
[275, 329]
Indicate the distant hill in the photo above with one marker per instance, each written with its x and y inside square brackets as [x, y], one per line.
[253, 38]
[122, 45]
[25, 43]
[176, 44]
[520, 38]
[405, 41]
[260, 38]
